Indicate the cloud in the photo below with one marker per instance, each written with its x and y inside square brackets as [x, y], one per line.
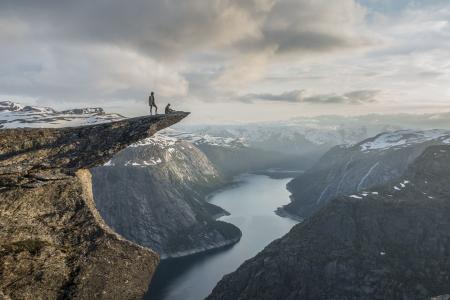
[354, 97]
[76, 44]
[294, 26]
[99, 74]
[299, 96]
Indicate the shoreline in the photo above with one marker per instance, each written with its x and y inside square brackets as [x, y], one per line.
[202, 250]
[234, 182]
[281, 212]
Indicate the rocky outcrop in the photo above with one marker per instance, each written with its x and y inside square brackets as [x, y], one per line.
[349, 169]
[153, 193]
[391, 242]
[53, 242]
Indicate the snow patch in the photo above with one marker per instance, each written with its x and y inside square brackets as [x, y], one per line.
[14, 115]
[404, 138]
[109, 163]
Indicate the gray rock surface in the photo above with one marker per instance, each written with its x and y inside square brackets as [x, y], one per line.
[53, 242]
[153, 193]
[391, 242]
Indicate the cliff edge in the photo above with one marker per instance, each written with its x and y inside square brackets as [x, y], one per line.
[53, 242]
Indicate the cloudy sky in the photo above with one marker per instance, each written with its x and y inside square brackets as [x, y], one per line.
[228, 60]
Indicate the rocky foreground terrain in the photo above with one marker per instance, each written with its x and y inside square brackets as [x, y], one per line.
[350, 169]
[388, 242]
[53, 242]
[154, 193]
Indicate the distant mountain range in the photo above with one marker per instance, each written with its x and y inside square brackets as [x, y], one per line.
[306, 134]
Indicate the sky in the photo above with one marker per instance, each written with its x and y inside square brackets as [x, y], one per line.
[228, 61]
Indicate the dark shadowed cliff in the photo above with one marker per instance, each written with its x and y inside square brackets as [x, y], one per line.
[153, 193]
[53, 242]
[390, 242]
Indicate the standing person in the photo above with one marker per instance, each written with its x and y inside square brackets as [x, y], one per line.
[151, 103]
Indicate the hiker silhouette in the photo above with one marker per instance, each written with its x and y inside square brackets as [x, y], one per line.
[151, 103]
[168, 110]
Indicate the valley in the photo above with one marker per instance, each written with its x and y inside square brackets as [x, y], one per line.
[193, 277]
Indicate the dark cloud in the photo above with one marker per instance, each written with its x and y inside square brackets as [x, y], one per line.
[157, 28]
[430, 74]
[291, 96]
[170, 27]
[298, 96]
[294, 26]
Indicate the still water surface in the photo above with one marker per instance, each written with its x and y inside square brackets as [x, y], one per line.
[251, 205]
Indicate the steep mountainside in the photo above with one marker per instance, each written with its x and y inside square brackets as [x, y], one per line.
[53, 242]
[346, 170]
[390, 242]
[154, 192]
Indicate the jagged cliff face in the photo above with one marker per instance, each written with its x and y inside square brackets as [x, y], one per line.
[390, 242]
[53, 242]
[346, 170]
[154, 192]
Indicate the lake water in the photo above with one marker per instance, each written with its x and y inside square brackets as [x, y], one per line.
[251, 204]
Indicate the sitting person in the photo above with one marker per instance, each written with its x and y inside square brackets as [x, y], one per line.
[168, 110]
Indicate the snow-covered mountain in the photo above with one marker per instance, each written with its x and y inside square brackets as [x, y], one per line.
[15, 115]
[346, 170]
[404, 138]
[202, 139]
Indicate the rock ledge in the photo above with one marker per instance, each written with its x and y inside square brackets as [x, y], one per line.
[53, 242]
